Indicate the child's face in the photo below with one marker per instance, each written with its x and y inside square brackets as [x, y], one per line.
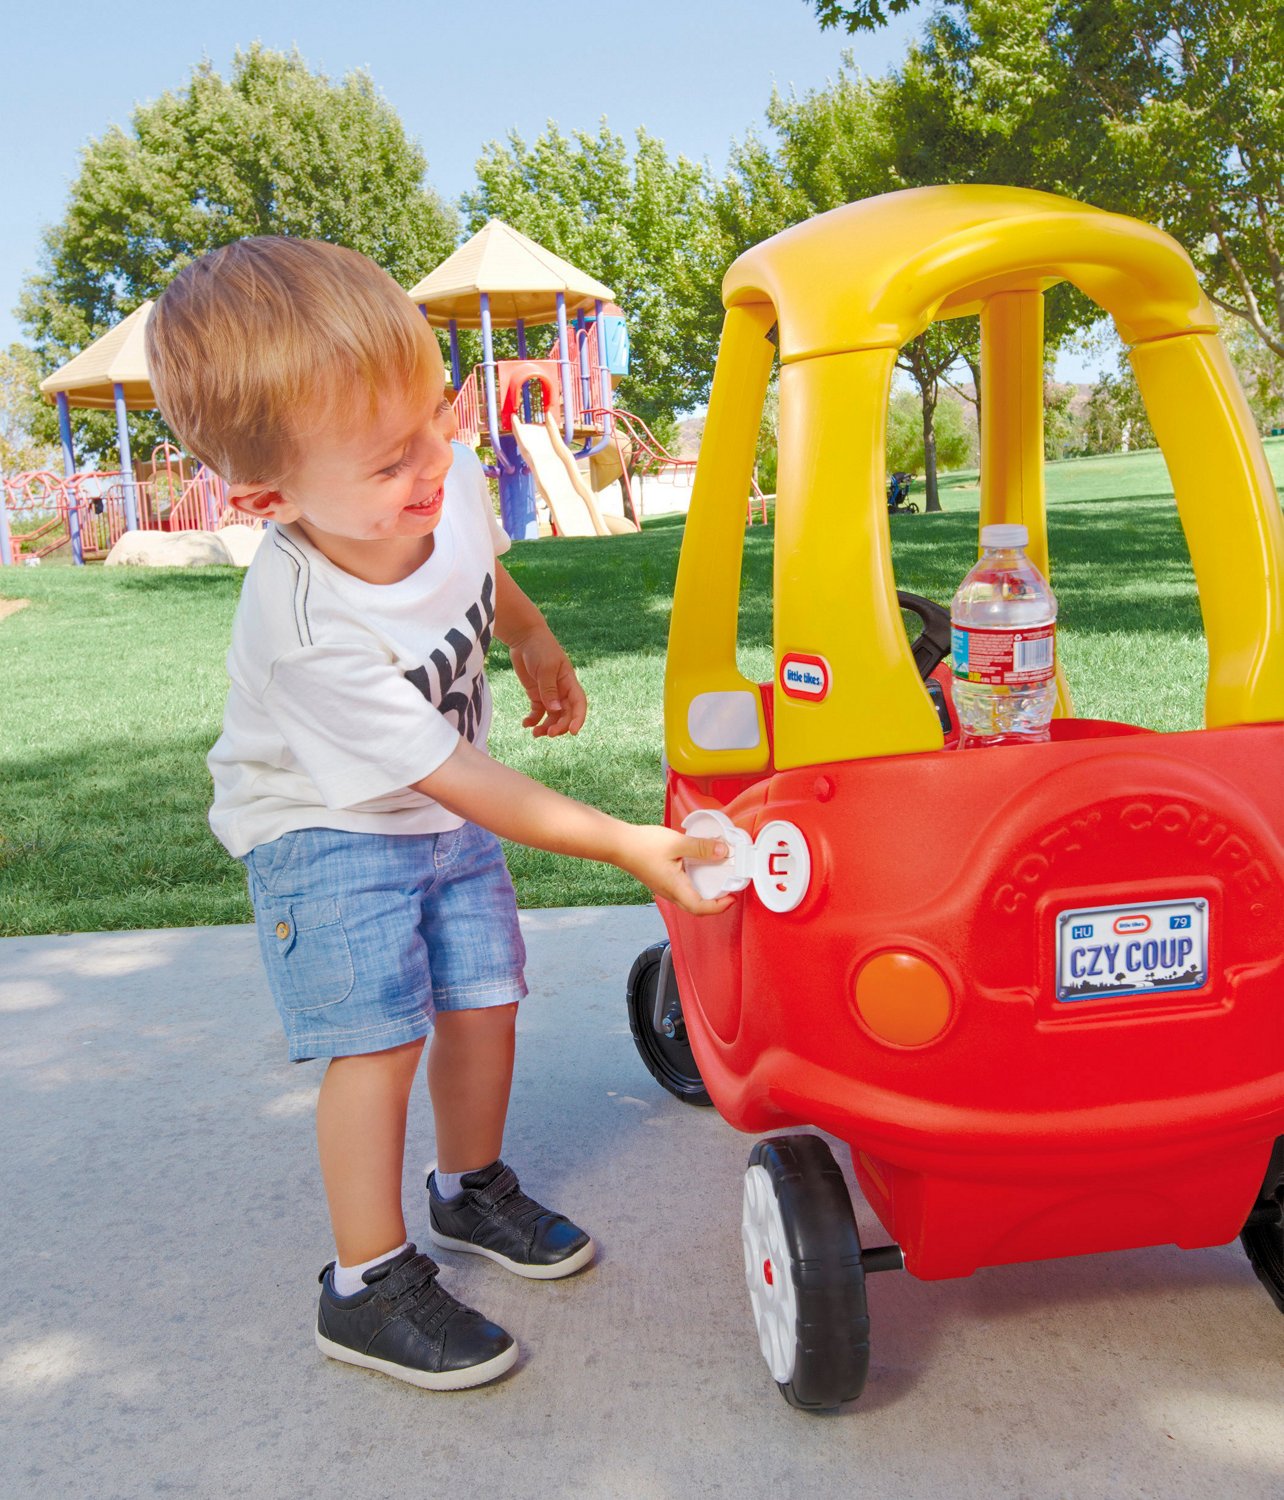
[378, 481]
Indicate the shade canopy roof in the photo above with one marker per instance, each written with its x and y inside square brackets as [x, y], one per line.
[521, 278]
[118, 358]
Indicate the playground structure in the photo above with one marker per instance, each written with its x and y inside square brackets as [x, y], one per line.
[642, 455]
[523, 408]
[42, 512]
[1036, 989]
[541, 416]
[88, 511]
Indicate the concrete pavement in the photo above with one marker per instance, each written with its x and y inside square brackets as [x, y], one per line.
[163, 1224]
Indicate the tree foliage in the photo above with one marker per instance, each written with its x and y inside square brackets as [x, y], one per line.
[1188, 101]
[860, 15]
[1171, 111]
[20, 451]
[954, 439]
[827, 147]
[1115, 418]
[637, 220]
[834, 146]
[273, 149]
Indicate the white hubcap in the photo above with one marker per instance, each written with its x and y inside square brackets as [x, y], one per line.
[769, 1275]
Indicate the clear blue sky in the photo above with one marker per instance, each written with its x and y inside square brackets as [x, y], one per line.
[697, 73]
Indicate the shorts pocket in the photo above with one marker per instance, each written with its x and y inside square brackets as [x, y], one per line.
[448, 845]
[267, 862]
[306, 951]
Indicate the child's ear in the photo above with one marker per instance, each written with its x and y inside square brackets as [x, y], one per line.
[261, 503]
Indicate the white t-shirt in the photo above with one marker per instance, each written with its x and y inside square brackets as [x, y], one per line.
[343, 693]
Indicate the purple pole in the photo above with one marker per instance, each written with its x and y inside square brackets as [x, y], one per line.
[454, 355]
[564, 357]
[586, 387]
[6, 547]
[126, 463]
[492, 399]
[68, 469]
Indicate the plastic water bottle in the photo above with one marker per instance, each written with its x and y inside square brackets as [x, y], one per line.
[1004, 644]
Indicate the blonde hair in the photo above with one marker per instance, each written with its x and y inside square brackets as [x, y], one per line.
[258, 345]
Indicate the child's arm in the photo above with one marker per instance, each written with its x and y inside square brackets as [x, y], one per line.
[558, 704]
[482, 790]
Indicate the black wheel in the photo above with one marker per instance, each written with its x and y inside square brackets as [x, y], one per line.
[803, 1268]
[659, 1032]
[911, 507]
[1263, 1235]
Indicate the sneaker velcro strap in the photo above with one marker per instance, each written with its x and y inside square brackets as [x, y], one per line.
[407, 1280]
[499, 1187]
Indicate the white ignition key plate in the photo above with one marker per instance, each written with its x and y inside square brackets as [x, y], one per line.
[782, 866]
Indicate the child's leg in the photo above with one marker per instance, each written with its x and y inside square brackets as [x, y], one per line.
[470, 1075]
[483, 1209]
[361, 1136]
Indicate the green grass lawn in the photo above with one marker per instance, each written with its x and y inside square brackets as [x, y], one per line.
[112, 690]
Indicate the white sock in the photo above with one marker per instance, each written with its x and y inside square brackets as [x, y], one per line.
[448, 1185]
[347, 1279]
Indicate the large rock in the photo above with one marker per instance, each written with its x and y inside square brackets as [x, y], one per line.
[242, 542]
[169, 549]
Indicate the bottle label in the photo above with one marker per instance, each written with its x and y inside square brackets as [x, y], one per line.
[1005, 658]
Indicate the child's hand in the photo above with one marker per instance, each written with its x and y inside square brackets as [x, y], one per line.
[654, 856]
[558, 704]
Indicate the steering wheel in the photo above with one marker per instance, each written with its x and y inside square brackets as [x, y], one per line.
[933, 644]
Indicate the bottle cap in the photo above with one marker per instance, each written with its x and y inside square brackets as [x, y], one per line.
[1009, 535]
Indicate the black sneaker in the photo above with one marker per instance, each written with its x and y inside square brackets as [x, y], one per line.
[493, 1217]
[404, 1324]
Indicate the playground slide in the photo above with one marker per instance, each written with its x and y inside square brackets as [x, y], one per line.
[567, 495]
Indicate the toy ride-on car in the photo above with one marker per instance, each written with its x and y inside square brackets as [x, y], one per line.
[1065, 1033]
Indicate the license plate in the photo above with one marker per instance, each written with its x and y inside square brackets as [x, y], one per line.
[1132, 950]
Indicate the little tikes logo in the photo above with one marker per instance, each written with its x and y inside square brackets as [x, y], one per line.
[805, 677]
[1132, 924]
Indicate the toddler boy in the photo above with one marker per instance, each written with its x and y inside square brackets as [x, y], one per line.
[352, 779]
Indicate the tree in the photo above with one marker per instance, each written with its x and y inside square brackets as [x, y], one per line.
[926, 359]
[766, 459]
[1171, 111]
[20, 452]
[955, 442]
[862, 15]
[631, 220]
[1260, 372]
[1167, 110]
[274, 149]
[1061, 433]
[1115, 418]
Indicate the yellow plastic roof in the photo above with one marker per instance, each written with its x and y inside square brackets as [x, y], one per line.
[521, 278]
[117, 358]
[874, 274]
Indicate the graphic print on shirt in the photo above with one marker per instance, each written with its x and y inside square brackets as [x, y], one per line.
[462, 705]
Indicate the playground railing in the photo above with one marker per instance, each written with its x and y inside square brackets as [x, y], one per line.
[587, 404]
[642, 453]
[467, 409]
[45, 510]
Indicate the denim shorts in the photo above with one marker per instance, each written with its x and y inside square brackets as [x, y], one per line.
[365, 936]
